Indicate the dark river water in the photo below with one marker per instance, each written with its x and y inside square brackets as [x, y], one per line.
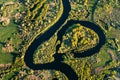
[57, 64]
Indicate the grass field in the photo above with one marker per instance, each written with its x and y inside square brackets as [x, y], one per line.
[104, 58]
[6, 58]
[5, 34]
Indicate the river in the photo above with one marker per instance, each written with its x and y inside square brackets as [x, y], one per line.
[57, 64]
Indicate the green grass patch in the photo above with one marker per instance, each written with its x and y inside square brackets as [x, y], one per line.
[7, 32]
[10, 75]
[104, 58]
[6, 58]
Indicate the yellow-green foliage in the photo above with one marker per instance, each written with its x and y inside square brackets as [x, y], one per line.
[33, 11]
[40, 18]
[7, 9]
[45, 52]
[81, 67]
[78, 38]
[33, 28]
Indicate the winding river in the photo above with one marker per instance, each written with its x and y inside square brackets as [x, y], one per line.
[57, 64]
